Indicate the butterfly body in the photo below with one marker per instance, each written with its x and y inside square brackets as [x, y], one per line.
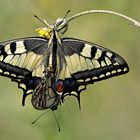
[50, 67]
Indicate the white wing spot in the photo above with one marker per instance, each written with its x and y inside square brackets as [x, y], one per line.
[101, 76]
[109, 54]
[80, 80]
[14, 60]
[98, 54]
[22, 86]
[108, 73]
[7, 73]
[13, 75]
[108, 62]
[21, 60]
[119, 70]
[116, 63]
[29, 91]
[74, 93]
[76, 65]
[86, 50]
[69, 64]
[81, 87]
[1, 58]
[96, 64]
[64, 73]
[89, 64]
[125, 69]
[103, 64]
[94, 78]
[7, 49]
[113, 72]
[8, 58]
[83, 63]
[88, 79]
[20, 48]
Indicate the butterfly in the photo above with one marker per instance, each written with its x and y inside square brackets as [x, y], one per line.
[50, 67]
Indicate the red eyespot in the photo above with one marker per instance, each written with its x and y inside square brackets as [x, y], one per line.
[59, 86]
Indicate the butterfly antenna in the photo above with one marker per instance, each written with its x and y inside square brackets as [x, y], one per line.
[56, 120]
[66, 14]
[42, 21]
[39, 117]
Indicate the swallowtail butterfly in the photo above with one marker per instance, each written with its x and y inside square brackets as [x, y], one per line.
[50, 67]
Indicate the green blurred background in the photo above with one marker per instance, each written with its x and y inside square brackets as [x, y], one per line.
[110, 108]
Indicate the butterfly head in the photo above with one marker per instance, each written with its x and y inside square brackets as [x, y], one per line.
[60, 26]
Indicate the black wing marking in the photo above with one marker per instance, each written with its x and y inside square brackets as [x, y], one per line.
[86, 63]
[21, 60]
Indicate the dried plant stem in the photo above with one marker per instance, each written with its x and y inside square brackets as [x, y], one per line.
[134, 22]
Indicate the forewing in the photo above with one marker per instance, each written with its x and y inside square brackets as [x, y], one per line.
[86, 63]
[22, 61]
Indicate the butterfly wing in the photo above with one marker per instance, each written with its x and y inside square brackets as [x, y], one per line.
[81, 63]
[21, 60]
[86, 63]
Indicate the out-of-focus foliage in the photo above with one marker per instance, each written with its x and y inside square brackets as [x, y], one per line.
[111, 108]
